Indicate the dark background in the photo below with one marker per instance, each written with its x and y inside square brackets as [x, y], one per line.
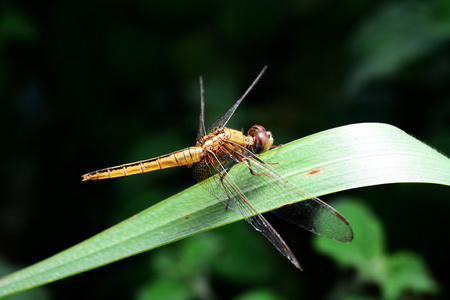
[90, 84]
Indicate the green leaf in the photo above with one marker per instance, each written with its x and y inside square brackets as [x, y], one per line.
[406, 271]
[164, 289]
[395, 274]
[367, 249]
[260, 294]
[327, 162]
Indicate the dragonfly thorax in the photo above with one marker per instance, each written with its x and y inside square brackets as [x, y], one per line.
[257, 141]
[215, 140]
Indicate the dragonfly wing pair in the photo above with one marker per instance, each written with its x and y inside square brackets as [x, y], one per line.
[238, 177]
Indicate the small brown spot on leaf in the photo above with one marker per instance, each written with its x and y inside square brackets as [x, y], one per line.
[313, 172]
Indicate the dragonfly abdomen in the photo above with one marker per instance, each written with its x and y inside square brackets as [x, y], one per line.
[179, 158]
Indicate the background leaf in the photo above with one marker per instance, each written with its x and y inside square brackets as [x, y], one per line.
[396, 275]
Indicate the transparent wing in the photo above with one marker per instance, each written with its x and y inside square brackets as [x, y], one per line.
[227, 191]
[222, 121]
[313, 215]
[317, 217]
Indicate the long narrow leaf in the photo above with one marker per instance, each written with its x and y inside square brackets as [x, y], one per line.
[331, 161]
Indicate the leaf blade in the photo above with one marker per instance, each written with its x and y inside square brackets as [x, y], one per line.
[334, 160]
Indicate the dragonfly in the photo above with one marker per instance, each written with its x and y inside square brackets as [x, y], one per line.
[221, 150]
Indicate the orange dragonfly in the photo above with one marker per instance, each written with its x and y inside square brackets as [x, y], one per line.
[221, 150]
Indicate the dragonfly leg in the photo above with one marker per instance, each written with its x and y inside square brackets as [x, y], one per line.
[222, 177]
[264, 162]
[247, 162]
[275, 163]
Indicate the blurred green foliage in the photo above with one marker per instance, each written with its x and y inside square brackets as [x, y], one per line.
[86, 85]
[387, 43]
[395, 274]
[190, 268]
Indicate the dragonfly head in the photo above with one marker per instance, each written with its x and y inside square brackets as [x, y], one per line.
[262, 139]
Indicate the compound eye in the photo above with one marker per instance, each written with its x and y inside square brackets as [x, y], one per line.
[261, 140]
